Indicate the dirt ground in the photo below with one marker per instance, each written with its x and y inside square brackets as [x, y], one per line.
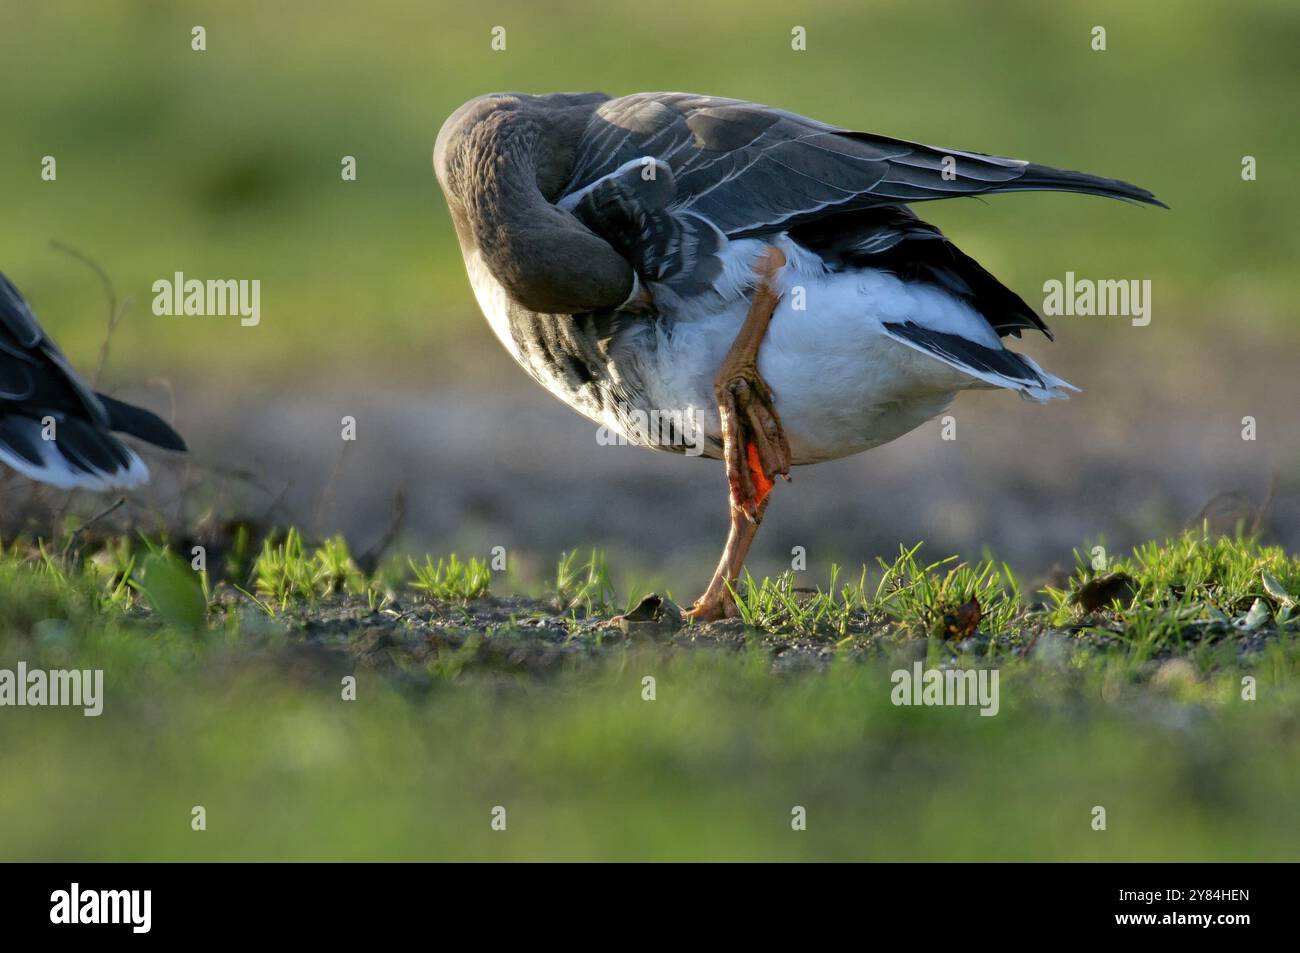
[411, 639]
[1155, 436]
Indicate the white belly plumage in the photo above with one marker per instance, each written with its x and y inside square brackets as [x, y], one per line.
[836, 396]
[841, 384]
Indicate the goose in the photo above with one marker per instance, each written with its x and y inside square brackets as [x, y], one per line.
[56, 429]
[742, 271]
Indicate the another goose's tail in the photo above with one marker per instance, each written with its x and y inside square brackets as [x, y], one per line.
[55, 429]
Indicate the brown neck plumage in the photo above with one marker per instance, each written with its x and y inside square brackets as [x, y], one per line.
[502, 162]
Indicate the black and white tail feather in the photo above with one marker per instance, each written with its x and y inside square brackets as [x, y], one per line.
[892, 239]
[53, 427]
[996, 366]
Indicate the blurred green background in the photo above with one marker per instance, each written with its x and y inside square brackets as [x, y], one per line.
[226, 162]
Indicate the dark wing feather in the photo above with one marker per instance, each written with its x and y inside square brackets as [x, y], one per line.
[629, 211]
[892, 238]
[33, 371]
[36, 382]
[142, 424]
[753, 170]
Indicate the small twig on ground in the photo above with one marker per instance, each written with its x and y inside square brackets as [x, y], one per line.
[326, 500]
[1024, 653]
[115, 313]
[1265, 506]
[1249, 517]
[114, 316]
[76, 537]
[277, 504]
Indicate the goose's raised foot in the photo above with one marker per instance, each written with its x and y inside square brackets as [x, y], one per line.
[754, 445]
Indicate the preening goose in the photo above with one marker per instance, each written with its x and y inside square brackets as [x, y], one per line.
[694, 271]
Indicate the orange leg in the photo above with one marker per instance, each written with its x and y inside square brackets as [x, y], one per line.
[754, 447]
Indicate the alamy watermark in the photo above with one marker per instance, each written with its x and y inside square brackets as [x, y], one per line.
[75, 905]
[1108, 297]
[953, 686]
[179, 295]
[76, 688]
[660, 428]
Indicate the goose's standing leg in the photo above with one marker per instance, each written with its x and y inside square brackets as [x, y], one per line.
[755, 449]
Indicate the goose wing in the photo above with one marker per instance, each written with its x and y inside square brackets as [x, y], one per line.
[751, 170]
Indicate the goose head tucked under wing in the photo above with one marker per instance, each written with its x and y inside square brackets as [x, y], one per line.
[636, 255]
[502, 161]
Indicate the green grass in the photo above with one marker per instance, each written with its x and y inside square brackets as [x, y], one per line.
[454, 580]
[244, 714]
[287, 572]
[1192, 582]
[584, 585]
[910, 592]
